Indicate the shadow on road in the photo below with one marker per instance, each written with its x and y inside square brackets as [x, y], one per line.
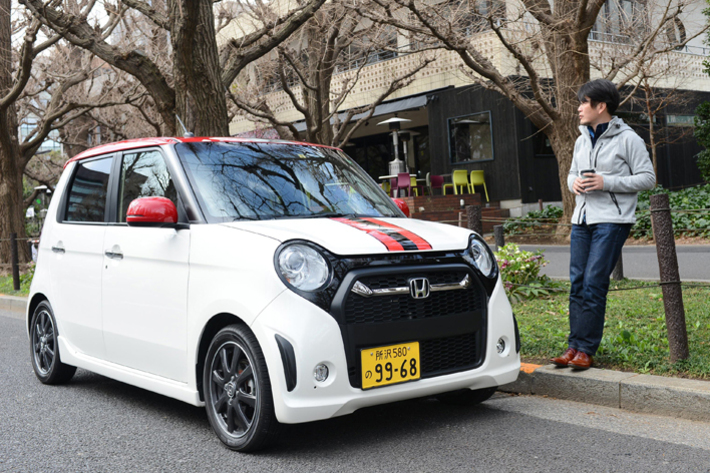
[380, 425]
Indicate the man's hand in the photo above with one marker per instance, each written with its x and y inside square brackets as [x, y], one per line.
[590, 182]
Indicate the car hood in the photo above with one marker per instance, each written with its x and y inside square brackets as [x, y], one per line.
[361, 236]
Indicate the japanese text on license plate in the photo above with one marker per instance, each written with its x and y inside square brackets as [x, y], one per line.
[391, 364]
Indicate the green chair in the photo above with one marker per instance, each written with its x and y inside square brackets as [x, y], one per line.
[459, 182]
[478, 180]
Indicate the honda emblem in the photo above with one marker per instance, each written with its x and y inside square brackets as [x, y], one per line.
[419, 288]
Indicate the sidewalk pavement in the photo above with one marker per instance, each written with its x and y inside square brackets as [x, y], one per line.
[15, 305]
[673, 397]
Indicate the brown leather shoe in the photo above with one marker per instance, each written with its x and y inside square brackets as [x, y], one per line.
[581, 361]
[567, 356]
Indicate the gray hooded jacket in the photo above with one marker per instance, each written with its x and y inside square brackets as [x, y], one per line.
[620, 156]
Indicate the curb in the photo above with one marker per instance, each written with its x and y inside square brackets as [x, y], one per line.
[648, 394]
[16, 306]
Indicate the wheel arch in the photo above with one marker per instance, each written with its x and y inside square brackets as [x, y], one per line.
[34, 302]
[214, 325]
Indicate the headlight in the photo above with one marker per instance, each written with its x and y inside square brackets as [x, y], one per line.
[482, 257]
[302, 267]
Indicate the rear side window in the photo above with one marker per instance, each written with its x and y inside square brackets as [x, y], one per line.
[144, 174]
[87, 194]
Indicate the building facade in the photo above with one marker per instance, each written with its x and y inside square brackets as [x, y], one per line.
[454, 124]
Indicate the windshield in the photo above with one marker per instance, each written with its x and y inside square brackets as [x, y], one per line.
[258, 181]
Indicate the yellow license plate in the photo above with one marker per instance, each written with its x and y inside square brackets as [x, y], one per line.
[390, 365]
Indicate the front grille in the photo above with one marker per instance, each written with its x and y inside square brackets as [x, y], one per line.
[446, 355]
[372, 310]
[450, 325]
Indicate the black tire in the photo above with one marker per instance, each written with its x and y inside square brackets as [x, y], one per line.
[238, 397]
[467, 397]
[44, 348]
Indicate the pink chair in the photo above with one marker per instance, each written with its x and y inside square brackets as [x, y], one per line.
[393, 187]
[436, 182]
[404, 181]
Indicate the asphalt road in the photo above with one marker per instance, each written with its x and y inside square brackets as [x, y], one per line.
[640, 262]
[96, 424]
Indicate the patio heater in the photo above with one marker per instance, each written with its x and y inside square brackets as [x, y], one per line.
[396, 165]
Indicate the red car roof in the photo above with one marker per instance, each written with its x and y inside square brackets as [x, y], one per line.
[143, 142]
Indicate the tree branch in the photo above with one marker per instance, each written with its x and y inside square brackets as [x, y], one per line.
[24, 70]
[236, 59]
[532, 73]
[78, 32]
[150, 12]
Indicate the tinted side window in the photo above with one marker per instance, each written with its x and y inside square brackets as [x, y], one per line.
[87, 194]
[144, 174]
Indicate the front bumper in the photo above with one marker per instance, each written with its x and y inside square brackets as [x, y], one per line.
[316, 338]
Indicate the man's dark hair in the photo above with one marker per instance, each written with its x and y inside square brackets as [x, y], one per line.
[598, 91]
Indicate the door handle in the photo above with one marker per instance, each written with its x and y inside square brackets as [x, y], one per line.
[113, 255]
[58, 249]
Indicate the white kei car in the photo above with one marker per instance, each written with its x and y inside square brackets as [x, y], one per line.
[272, 282]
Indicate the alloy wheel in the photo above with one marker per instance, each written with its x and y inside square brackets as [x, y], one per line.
[234, 389]
[43, 342]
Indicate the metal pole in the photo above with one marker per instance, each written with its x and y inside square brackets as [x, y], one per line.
[474, 218]
[15, 262]
[618, 273]
[670, 277]
[500, 236]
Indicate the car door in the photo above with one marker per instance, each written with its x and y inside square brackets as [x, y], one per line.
[77, 255]
[145, 274]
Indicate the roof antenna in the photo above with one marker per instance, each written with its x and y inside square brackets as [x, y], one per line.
[187, 134]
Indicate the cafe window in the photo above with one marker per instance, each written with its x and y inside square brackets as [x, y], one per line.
[681, 120]
[471, 138]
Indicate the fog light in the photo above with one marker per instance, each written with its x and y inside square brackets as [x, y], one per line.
[320, 373]
[500, 346]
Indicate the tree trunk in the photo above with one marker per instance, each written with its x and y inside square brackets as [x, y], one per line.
[11, 209]
[571, 71]
[200, 99]
[11, 205]
[562, 140]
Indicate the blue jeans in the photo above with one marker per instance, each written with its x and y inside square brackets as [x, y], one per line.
[594, 250]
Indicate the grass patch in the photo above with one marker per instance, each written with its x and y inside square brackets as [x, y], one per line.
[635, 337]
[7, 288]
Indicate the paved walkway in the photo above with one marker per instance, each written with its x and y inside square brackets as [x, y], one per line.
[640, 262]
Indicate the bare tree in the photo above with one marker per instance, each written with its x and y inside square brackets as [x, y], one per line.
[657, 90]
[200, 71]
[42, 95]
[317, 71]
[542, 53]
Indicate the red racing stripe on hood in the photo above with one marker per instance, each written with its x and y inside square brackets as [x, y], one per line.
[388, 241]
[421, 243]
[393, 237]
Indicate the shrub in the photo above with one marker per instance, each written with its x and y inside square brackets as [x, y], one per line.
[703, 163]
[536, 218]
[520, 271]
[685, 222]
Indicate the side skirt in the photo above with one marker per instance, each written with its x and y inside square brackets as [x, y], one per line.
[150, 382]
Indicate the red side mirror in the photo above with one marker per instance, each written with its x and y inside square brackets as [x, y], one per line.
[402, 206]
[151, 211]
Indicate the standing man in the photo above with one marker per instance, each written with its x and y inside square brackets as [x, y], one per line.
[609, 167]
